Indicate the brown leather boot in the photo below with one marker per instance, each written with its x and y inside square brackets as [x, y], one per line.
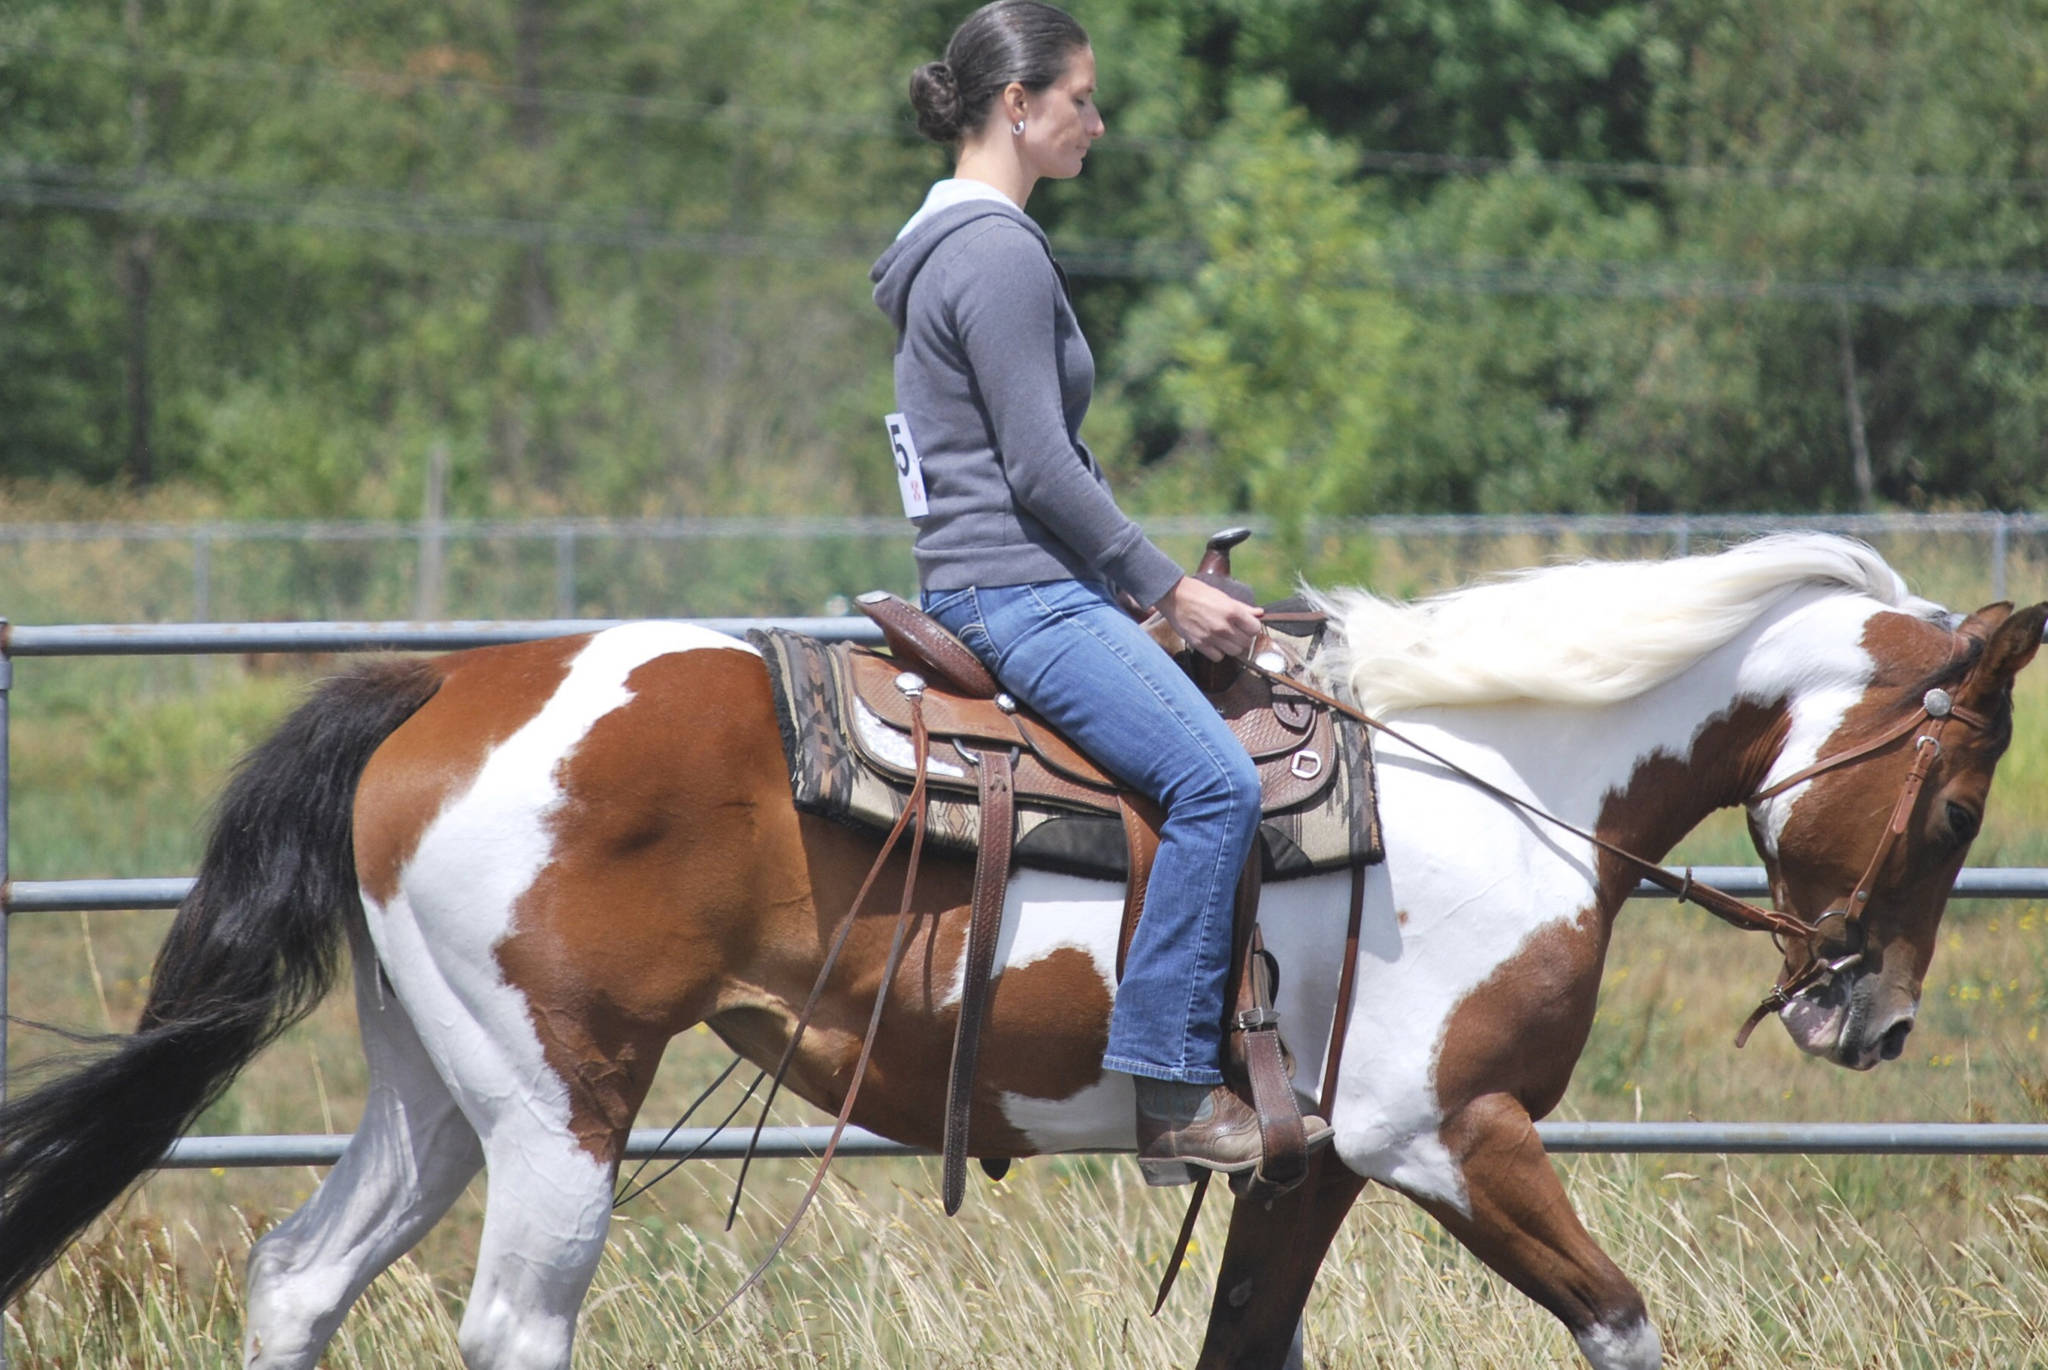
[1183, 1125]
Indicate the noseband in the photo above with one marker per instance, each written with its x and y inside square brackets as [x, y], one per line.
[1937, 708]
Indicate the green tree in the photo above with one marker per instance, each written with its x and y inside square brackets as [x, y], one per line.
[609, 254]
[1275, 355]
[1893, 141]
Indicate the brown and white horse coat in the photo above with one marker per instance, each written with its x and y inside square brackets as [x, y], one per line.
[576, 849]
[1479, 958]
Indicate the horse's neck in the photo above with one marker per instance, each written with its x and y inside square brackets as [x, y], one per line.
[1645, 771]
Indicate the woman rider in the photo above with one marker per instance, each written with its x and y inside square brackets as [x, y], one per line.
[1021, 547]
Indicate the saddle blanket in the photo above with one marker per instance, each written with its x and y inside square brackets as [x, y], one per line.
[850, 763]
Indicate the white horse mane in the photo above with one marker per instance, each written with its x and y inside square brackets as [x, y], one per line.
[1586, 633]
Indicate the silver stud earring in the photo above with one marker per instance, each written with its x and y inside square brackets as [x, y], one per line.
[1018, 128]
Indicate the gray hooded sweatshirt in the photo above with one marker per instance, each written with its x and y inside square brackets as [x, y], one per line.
[993, 378]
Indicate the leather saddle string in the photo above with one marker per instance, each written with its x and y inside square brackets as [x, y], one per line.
[1180, 1245]
[631, 1188]
[913, 809]
[1715, 901]
[985, 923]
[1340, 1021]
[899, 942]
[711, 1134]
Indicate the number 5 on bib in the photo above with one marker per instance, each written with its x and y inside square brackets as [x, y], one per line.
[909, 470]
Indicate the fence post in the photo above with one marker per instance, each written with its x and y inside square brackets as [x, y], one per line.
[2000, 533]
[565, 572]
[433, 529]
[202, 574]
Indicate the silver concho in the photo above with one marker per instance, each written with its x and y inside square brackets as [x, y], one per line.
[1938, 703]
[910, 684]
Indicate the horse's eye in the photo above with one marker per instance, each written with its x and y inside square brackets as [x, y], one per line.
[1961, 821]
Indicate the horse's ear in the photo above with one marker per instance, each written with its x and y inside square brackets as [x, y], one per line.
[1982, 623]
[2011, 638]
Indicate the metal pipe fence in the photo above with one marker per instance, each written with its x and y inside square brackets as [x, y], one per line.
[1561, 1138]
[45, 896]
[561, 566]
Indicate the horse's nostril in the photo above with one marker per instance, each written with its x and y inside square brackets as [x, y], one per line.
[1895, 1039]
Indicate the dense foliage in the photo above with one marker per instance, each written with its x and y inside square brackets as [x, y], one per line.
[609, 255]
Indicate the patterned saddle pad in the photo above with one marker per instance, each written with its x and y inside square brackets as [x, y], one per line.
[846, 736]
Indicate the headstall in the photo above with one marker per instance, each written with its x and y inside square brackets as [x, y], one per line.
[1937, 708]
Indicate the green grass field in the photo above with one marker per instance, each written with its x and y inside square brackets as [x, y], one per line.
[1746, 1261]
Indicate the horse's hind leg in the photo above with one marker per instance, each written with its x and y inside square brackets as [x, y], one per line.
[1269, 1264]
[409, 1159]
[550, 1196]
[544, 1230]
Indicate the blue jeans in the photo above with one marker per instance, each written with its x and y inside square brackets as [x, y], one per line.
[1067, 651]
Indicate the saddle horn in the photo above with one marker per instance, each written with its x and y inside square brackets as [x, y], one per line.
[1214, 568]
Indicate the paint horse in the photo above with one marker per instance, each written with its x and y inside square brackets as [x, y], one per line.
[549, 859]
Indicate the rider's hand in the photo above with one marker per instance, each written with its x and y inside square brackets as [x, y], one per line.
[1208, 620]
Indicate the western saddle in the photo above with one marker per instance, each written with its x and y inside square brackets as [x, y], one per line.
[960, 722]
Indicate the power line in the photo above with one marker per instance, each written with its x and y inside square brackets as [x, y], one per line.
[1133, 259]
[398, 84]
[1701, 176]
[807, 123]
[378, 211]
[1904, 287]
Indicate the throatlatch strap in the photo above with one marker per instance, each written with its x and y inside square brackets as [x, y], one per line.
[991, 878]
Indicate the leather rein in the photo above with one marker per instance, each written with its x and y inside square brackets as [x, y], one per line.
[1937, 708]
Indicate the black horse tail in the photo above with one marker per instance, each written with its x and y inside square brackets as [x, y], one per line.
[254, 947]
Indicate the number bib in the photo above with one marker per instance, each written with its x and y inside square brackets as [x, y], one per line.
[909, 470]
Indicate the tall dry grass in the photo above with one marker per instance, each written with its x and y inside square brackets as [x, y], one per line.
[1745, 1263]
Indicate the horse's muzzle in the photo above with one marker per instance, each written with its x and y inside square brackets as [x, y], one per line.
[1850, 1020]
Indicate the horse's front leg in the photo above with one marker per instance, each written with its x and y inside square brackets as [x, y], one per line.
[1269, 1263]
[1518, 1220]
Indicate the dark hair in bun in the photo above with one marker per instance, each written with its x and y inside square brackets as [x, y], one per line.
[935, 95]
[1026, 41]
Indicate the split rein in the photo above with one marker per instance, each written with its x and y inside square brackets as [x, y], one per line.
[1937, 707]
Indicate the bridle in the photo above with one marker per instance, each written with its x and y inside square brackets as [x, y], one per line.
[1937, 709]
